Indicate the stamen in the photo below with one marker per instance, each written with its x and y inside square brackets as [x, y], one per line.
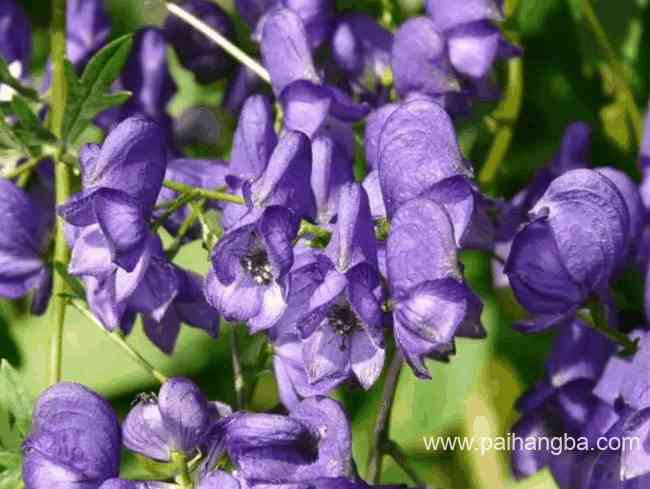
[256, 263]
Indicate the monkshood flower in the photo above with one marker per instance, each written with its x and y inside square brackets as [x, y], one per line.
[23, 246]
[163, 293]
[215, 480]
[307, 103]
[207, 61]
[146, 75]
[578, 236]
[456, 43]
[271, 450]
[431, 303]
[362, 49]
[88, 28]
[572, 154]
[342, 325]
[120, 186]
[178, 420]
[417, 154]
[206, 174]
[316, 15]
[75, 440]
[129, 484]
[15, 43]
[242, 85]
[564, 402]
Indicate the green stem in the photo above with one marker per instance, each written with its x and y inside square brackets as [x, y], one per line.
[238, 374]
[183, 479]
[62, 184]
[30, 165]
[397, 454]
[200, 193]
[505, 116]
[117, 337]
[321, 236]
[382, 424]
[219, 40]
[595, 319]
[187, 224]
[618, 70]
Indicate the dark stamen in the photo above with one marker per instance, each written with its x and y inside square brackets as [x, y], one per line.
[256, 263]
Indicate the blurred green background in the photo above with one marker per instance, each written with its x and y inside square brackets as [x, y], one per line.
[565, 80]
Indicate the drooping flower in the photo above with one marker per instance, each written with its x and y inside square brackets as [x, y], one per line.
[120, 186]
[146, 75]
[417, 155]
[75, 440]
[207, 61]
[577, 238]
[341, 326]
[23, 246]
[431, 303]
[88, 28]
[179, 420]
[271, 450]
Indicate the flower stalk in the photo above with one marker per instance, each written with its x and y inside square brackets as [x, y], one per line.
[62, 184]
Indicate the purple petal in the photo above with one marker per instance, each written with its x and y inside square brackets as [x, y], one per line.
[285, 50]
[163, 333]
[144, 432]
[306, 105]
[417, 149]
[448, 14]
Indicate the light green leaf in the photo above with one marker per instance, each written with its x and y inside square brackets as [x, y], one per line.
[89, 95]
[11, 479]
[7, 78]
[9, 460]
[15, 399]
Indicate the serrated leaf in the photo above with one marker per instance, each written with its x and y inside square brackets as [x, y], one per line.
[9, 460]
[15, 399]
[31, 130]
[88, 96]
[7, 78]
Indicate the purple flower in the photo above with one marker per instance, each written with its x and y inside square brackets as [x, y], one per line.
[207, 61]
[450, 51]
[121, 181]
[147, 76]
[577, 238]
[431, 303]
[128, 484]
[417, 155]
[15, 38]
[75, 440]
[249, 265]
[243, 84]
[88, 28]
[307, 103]
[341, 328]
[312, 442]
[23, 247]
[178, 420]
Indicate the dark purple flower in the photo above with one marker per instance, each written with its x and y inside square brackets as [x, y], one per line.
[312, 442]
[88, 28]
[75, 440]
[207, 61]
[147, 76]
[15, 40]
[447, 14]
[23, 246]
[128, 484]
[243, 84]
[578, 236]
[178, 420]
[120, 182]
[249, 264]
[431, 303]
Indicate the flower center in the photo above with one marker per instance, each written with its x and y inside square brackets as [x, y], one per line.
[343, 319]
[256, 263]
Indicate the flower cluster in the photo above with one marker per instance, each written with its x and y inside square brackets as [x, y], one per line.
[76, 442]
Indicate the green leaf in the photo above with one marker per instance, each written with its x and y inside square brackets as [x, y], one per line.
[9, 460]
[11, 479]
[30, 130]
[89, 95]
[8, 137]
[15, 399]
[7, 78]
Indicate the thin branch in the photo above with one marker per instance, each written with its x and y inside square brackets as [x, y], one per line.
[201, 193]
[187, 224]
[397, 454]
[117, 337]
[240, 385]
[382, 424]
[220, 40]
